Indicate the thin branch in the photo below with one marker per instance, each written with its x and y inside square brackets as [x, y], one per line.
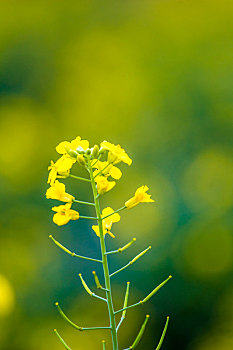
[100, 172]
[163, 334]
[116, 211]
[79, 178]
[71, 253]
[82, 202]
[88, 217]
[61, 340]
[74, 325]
[131, 261]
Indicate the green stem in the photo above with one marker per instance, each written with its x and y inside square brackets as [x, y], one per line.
[79, 178]
[105, 264]
[82, 202]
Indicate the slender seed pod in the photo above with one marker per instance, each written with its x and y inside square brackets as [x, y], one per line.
[97, 282]
[127, 245]
[61, 246]
[67, 319]
[163, 334]
[139, 255]
[85, 285]
[140, 334]
[61, 340]
[126, 300]
[155, 290]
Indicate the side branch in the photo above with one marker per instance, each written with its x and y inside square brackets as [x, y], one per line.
[79, 178]
[131, 261]
[114, 212]
[61, 340]
[146, 298]
[71, 253]
[82, 202]
[74, 325]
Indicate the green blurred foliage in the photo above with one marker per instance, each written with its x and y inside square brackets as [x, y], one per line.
[156, 77]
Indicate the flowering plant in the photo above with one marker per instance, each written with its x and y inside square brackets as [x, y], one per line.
[100, 163]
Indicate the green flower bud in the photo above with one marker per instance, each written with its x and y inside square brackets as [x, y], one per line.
[95, 151]
[81, 160]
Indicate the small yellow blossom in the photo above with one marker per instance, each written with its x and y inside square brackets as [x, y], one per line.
[60, 169]
[58, 191]
[103, 185]
[140, 197]
[64, 214]
[107, 223]
[116, 153]
[107, 169]
[73, 145]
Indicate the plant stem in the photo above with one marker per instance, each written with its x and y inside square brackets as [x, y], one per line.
[105, 264]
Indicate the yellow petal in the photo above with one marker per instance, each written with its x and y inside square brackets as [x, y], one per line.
[61, 148]
[115, 172]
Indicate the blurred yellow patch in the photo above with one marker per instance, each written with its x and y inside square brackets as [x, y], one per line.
[208, 181]
[7, 297]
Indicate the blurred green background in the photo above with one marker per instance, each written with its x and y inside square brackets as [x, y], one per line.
[156, 77]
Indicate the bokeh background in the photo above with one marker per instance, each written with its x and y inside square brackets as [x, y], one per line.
[156, 77]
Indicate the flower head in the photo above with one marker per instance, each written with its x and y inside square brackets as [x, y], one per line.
[58, 191]
[140, 197]
[60, 169]
[107, 222]
[64, 214]
[116, 153]
[103, 185]
[73, 145]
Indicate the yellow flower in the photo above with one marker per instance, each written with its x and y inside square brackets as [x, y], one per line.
[140, 197]
[107, 223]
[103, 185]
[107, 169]
[64, 214]
[60, 169]
[73, 145]
[58, 191]
[116, 153]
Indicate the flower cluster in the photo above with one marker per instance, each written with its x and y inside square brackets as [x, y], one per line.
[100, 161]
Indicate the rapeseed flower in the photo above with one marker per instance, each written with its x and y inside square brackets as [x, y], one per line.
[60, 169]
[140, 197]
[116, 153]
[64, 214]
[74, 145]
[107, 169]
[103, 185]
[107, 222]
[58, 191]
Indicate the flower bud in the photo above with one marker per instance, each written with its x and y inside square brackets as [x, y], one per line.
[95, 151]
[71, 152]
[102, 150]
[81, 160]
[80, 150]
[88, 151]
